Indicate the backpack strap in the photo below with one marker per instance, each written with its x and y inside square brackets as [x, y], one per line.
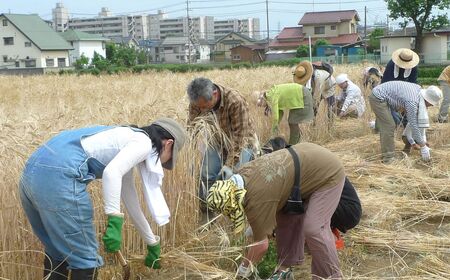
[295, 194]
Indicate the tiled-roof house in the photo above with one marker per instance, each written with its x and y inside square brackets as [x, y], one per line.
[28, 41]
[337, 27]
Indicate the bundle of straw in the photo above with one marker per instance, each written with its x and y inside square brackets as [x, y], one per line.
[402, 240]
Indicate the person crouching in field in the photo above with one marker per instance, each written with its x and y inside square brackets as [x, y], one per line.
[321, 82]
[371, 77]
[260, 192]
[231, 111]
[292, 98]
[413, 101]
[54, 196]
[351, 102]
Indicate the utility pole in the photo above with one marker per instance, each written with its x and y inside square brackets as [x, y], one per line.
[189, 32]
[365, 30]
[267, 21]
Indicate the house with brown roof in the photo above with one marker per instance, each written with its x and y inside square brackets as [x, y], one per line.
[223, 45]
[337, 27]
[248, 53]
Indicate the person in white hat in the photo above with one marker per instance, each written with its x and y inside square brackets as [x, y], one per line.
[411, 99]
[350, 102]
[444, 81]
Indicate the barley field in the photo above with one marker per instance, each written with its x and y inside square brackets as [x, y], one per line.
[404, 232]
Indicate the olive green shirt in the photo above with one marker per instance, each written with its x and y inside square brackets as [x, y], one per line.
[269, 181]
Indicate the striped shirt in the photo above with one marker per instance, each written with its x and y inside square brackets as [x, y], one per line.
[233, 117]
[401, 95]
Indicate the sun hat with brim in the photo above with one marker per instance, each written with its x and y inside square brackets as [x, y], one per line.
[405, 58]
[303, 72]
[225, 197]
[179, 135]
[432, 95]
[341, 78]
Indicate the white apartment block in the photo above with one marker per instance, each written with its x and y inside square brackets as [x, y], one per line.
[161, 27]
[60, 18]
[248, 26]
[154, 26]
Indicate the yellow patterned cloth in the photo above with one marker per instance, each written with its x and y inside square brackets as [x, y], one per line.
[227, 198]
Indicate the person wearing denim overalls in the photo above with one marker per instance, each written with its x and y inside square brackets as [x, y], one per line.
[53, 191]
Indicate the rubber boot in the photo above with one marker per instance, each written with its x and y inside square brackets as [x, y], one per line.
[84, 274]
[55, 270]
[407, 148]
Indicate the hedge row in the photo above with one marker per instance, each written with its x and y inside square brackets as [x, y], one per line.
[424, 71]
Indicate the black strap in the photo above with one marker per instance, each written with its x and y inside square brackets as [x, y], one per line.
[295, 194]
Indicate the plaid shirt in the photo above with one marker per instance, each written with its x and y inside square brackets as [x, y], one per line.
[234, 119]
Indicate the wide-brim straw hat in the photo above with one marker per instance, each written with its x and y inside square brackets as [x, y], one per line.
[303, 72]
[179, 136]
[405, 58]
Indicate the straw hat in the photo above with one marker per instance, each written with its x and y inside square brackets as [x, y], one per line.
[179, 135]
[432, 95]
[303, 72]
[405, 58]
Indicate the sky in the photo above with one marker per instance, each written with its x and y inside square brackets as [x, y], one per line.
[282, 13]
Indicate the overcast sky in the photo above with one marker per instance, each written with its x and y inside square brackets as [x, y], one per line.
[282, 13]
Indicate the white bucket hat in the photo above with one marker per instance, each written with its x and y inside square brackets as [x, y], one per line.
[432, 95]
[341, 78]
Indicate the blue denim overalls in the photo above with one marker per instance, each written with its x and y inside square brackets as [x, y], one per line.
[55, 200]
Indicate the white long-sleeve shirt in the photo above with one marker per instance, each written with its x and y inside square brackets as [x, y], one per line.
[120, 149]
[352, 95]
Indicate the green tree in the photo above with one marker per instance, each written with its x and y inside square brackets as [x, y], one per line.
[302, 51]
[374, 40]
[125, 56]
[419, 12]
[111, 50]
[319, 42]
[81, 62]
[100, 62]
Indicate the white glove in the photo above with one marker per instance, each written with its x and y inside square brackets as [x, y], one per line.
[244, 272]
[425, 152]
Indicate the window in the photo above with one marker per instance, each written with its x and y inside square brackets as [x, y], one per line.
[333, 27]
[50, 62]
[319, 30]
[30, 63]
[5, 58]
[8, 41]
[61, 62]
[237, 57]
[5, 22]
[17, 64]
[27, 44]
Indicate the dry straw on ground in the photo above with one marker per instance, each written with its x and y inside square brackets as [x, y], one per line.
[403, 235]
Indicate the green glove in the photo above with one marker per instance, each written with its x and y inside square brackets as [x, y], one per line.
[153, 253]
[113, 234]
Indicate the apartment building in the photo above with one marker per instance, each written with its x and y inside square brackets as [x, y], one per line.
[162, 27]
[60, 18]
[249, 27]
[153, 26]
